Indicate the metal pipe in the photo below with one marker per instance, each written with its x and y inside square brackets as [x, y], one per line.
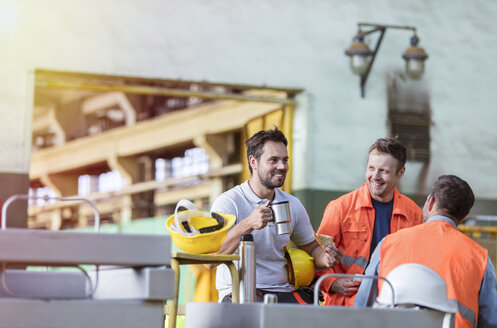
[343, 275]
[375, 28]
[22, 196]
[384, 26]
[364, 77]
[363, 33]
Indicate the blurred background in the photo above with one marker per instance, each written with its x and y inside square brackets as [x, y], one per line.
[138, 104]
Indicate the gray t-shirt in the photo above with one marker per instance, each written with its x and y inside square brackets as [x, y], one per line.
[271, 272]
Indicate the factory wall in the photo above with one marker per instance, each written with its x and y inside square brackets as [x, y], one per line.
[277, 43]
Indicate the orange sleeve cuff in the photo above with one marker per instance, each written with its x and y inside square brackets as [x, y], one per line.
[326, 285]
[327, 282]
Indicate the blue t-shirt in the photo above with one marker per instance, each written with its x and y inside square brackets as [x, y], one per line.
[382, 218]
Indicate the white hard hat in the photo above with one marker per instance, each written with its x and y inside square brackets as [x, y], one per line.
[416, 284]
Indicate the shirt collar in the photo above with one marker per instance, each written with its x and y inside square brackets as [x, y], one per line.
[364, 200]
[442, 218]
[253, 198]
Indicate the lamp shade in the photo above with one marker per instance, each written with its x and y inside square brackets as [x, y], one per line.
[415, 57]
[359, 54]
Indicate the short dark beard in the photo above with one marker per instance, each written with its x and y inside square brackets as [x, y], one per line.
[268, 184]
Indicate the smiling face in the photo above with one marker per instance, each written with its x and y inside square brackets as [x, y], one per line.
[382, 175]
[271, 168]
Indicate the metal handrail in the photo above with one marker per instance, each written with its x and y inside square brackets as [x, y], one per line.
[343, 275]
[23, 196]
[10, 200]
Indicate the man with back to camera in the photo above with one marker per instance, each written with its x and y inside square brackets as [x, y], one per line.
[358, 220]
[460, 261]
[249, 202]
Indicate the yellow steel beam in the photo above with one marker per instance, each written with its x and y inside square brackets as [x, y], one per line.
[45, 75]
[195, 191]
[146, 136]
[143, 187]
[157, 91]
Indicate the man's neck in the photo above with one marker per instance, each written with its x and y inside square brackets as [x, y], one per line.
[379, 202]
[384, 199]
[258, 189]
[443, 213]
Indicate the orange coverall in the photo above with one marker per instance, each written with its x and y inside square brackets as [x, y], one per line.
[350, 221]
[458, 259]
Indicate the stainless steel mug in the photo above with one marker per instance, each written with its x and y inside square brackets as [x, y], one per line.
[281, 216]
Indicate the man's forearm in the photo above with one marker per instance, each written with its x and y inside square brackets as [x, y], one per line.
[232, 240]
[314, 250]
[319, 256]
[310, 248]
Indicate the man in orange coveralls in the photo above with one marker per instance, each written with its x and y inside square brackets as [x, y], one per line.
[359, 220]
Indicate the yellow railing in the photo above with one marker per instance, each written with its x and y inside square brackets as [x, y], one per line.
[478, 231]
[485, 236]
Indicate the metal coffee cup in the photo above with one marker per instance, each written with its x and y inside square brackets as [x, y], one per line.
[283, 228]
[281, 217]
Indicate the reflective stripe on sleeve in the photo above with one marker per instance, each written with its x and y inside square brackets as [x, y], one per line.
[360, 261]
[465, 312]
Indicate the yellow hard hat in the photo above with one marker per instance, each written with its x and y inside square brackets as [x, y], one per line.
[300, 267]
[198, 232]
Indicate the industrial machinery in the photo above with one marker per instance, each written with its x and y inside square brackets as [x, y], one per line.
[260, 315]
[126, 288]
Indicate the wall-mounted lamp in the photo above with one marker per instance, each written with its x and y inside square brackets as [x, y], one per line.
[362, 58]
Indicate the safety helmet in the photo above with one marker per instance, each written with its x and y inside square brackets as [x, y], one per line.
[182, 220]
[300, 267]
[415, 285]
[198, 232]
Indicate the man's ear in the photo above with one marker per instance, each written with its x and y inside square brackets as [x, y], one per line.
[431, 202]
[401, 172]
[252, 162]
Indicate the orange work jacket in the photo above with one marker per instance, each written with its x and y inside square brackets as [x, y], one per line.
[458, 259]
[350, 221]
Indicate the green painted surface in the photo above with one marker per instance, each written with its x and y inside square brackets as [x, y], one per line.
[180, 321]
[315, 202]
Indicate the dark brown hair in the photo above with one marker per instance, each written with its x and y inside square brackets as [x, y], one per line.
[453, 196]
[255, 144]
[393, 147]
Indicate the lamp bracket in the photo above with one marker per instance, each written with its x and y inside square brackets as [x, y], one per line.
[376, 28]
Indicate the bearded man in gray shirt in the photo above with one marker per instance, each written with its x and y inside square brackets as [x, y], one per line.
[249, 202]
